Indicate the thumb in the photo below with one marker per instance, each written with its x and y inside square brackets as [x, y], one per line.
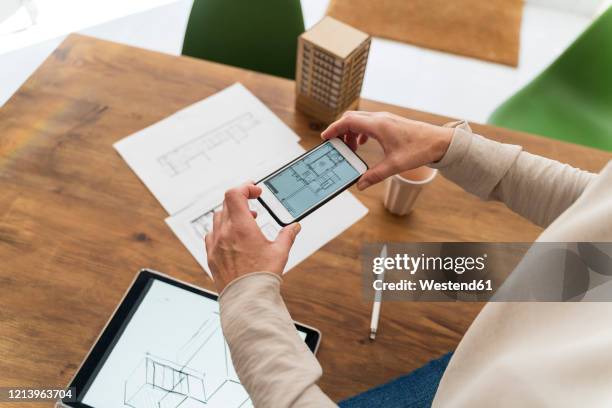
[375, 175]
[287, 235]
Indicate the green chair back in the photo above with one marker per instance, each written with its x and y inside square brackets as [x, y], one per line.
[572, 99]
[252, 34]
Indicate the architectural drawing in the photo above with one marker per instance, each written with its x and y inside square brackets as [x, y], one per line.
[210, 145]
[203, 224]
[231, 132]
[311, 179]
[199, 375]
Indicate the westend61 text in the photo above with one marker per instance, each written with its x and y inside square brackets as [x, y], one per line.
[432, 285]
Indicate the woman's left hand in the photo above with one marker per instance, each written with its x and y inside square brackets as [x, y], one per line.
[236, 246]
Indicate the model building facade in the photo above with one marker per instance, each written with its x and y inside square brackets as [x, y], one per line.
[331, 63]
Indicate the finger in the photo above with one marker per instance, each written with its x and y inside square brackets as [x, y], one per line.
[217, 217]
[358, 112]
[236, 200]
[351, 141]
[253, 212]
[351, 123]
[286, 237]
[223, 212]
[207, 243]
[376, 174]
[362, 139]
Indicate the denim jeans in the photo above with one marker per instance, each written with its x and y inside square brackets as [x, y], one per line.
[414, 390]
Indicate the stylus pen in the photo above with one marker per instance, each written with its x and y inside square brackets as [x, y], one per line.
[377, 299]
[376, 309]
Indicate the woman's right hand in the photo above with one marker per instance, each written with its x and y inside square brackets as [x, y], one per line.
[407, 144]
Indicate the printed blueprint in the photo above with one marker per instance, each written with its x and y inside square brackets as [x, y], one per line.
[311, 179]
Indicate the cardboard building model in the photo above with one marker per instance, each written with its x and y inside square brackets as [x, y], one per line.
[331, 62]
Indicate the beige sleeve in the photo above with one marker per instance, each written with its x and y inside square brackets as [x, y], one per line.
[272, 361]
[535, 187]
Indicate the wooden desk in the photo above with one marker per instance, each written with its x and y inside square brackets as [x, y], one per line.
[76, 223]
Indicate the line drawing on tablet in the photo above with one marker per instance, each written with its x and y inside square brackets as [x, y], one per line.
[200, 375]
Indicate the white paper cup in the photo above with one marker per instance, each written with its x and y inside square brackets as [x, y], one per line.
[402, 192]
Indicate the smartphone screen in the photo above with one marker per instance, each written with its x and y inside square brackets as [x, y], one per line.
[311, 179]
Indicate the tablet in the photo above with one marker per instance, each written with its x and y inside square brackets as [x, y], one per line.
[163, 347]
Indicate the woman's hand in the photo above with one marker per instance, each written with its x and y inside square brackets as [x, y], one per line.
[407, 144]
[236, 246]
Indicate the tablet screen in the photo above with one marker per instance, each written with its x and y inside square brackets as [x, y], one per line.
[171, 353]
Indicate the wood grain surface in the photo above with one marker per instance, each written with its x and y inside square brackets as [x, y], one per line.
[76, 223]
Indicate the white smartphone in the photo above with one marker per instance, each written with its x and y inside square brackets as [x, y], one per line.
[306, 183]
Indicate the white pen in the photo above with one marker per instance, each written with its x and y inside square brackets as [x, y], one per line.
[377, 300]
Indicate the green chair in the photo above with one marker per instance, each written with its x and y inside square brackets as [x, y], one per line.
[572, 99]
[252, 34]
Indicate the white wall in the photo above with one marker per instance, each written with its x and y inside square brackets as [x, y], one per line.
[585, 7]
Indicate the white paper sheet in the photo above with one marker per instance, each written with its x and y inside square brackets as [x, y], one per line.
[213, 143]
[320, 227]
[191, 158]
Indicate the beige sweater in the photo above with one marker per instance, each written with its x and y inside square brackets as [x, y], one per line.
[514, 354]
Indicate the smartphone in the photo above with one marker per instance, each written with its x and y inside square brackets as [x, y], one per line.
[306, 183]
